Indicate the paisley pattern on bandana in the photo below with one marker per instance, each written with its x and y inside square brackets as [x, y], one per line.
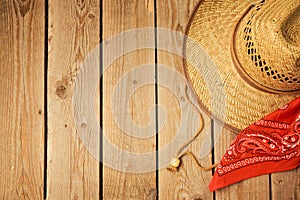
[272, 144]
[252, 146]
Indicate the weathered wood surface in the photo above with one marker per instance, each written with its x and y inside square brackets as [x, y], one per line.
[22, 99]
[120, 16]
[68, 170]
[173, 15]
[286, 185]
[72, 173]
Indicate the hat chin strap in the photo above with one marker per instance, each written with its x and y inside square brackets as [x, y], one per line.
[291, 28]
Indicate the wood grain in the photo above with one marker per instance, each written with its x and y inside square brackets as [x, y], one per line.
[189, 182]
[73, 32]
[22, 99]
[286, 185]
[118, 181]
[72, 172]
[254, 188]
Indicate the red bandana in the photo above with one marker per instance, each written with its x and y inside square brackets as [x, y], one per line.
[271, 144]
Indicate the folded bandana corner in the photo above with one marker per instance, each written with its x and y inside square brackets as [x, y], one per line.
[270, 145]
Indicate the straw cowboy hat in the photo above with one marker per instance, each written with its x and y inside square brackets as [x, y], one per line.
[255, 48]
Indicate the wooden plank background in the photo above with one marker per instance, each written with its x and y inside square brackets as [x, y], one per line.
[41, 153]
[22, 99]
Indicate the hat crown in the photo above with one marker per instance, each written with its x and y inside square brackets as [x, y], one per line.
[266, 46]
[291, 28]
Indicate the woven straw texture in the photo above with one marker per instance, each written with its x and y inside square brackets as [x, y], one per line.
[254, 47]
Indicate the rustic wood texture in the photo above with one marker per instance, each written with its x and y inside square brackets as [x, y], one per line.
[286, 185]
[120, 16]
[190, 182]
[22, 99]
[73, 32]
[244, 189]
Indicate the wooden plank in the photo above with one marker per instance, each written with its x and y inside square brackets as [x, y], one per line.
[286, 185]
[190, 182]
[22, 99]
[121, 179]
[73, 173]
[254, 188]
